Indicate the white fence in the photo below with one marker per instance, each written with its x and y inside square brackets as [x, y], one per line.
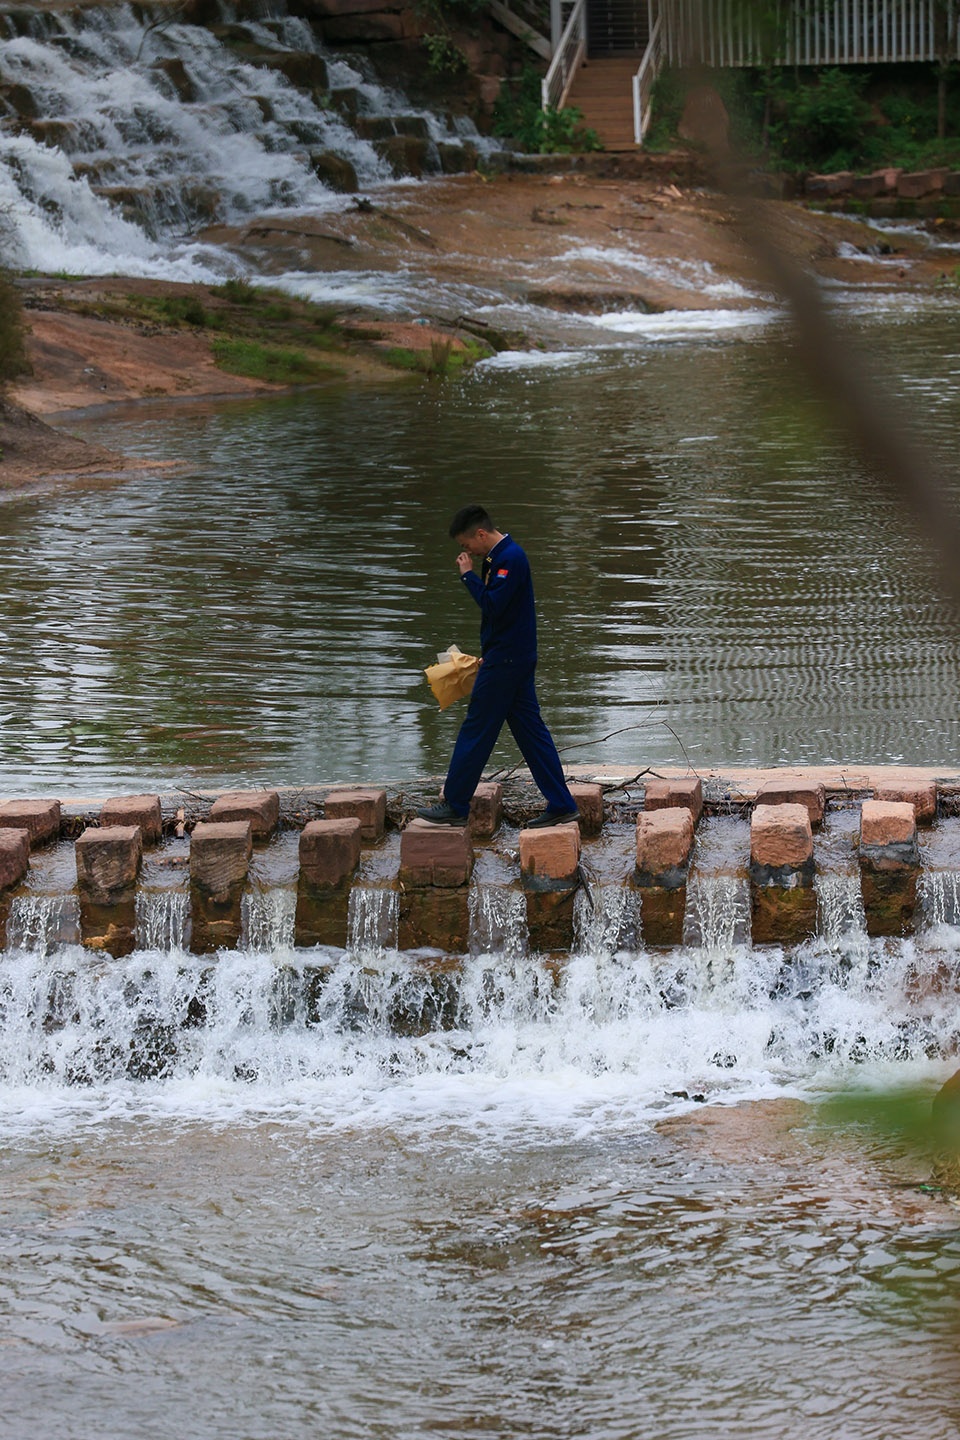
[831, 32]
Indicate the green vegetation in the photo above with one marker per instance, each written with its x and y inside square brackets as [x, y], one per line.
[273, 363]
[442, 362]
[13, 356]
[849, 118]
[518, 117]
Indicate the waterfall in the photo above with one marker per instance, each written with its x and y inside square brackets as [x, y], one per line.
[939, 897]
[161, 919]
[840, 913]
[267, 918]
[498, 921]
[606, 918]
[372, 920]
[131, 130]
[39, 923]
[717, 915]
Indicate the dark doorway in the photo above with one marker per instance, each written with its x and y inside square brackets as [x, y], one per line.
[617, 27]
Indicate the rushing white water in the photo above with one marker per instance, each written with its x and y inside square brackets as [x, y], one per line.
[151, 127]
[497, 1037]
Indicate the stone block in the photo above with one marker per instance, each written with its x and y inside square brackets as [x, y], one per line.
[140, 810]
[434, 916]
[921, 794]
[14, 857]
[220, 854]
[439, 855]
[260, 807]
[329, 852]
[839, 183]
[782, 914]
[550, 857]
[685, 793]
[794, 792]
[867, 187]
[550, 920]
[781, 845]
[889, 900]
[486, 808]
[888, 835]
[664, 847]
[589, 798]
[917, 183]
[368, 806]
[40, 818]
[662, 915]
[108, 863]
[951, 182]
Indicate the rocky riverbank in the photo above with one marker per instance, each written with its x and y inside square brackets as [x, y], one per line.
[401, 285]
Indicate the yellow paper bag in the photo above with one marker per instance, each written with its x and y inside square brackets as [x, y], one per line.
[453, 675]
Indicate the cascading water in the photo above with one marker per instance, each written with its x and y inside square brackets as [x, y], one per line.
[126, 130]
[607, 1024]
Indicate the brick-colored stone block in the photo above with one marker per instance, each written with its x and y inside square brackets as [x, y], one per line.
[486, 808]
[794, 792]
[888, 835]
[14, 857]
[368, 806]
[921, 794]
[589, 798]
[40, 818]
[220, 855]
[664, 846]
[435, 855]
[917, 183]
[839, 183]
[781, 841]
[685, 793]
[329, 852]
[260, 807]
[867, 187]
[951, 182]
[108, 863]
[550, 857]
[140, 810]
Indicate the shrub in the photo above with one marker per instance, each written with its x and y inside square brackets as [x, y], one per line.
[825, 124]
[13, 355]
[519, 117]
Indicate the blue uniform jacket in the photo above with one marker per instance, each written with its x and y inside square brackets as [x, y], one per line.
[504, 592]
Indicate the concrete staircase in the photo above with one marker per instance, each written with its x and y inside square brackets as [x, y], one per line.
[603, 91]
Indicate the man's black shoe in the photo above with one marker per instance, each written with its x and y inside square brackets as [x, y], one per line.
[442, 814]
[552, 817]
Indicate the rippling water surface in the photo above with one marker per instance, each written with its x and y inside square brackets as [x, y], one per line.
[711, 568]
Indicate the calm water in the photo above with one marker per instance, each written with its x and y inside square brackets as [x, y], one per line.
[237, 1216]
[712, 572]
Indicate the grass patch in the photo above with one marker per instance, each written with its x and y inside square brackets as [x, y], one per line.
[275, 363]
[441, 361]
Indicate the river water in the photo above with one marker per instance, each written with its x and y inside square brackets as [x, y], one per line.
[280, 1193]
[716, 581]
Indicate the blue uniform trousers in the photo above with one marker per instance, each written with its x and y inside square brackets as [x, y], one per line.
[504, 691]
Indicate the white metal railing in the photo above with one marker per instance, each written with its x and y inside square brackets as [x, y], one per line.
[643, 82]
[567, 59]
[813, 32]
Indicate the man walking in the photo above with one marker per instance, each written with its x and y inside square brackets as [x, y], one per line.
[504, 688]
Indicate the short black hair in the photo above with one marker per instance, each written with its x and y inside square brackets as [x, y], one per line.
[469, 519]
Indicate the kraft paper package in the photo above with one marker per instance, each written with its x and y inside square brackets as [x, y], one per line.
[453, 675]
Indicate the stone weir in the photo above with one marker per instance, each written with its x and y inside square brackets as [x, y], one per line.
[339, 866]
